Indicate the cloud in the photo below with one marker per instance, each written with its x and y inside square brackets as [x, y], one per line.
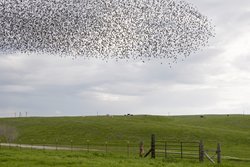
[15, 88]
[215, 80]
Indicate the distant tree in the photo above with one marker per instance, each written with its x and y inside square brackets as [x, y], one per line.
[8, 133]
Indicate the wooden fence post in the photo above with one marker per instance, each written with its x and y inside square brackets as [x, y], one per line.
[128, 149]
[20, 144]
[43, 145]
[218, 153]
[71, 145]
[153, 146]
[31, 144]
[165, 149]
[87, 145]
[56, 143]
[181, 151]
[106, 147]
[201, 151]
[141, 149]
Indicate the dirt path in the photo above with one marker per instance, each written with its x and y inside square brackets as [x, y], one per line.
[44, 147]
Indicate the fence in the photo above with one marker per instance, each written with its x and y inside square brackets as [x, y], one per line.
[123, 148]
[182, 150]
[174, 149]
[158, 148]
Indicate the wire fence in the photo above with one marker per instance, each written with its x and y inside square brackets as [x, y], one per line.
[126, 148]
[178, 149]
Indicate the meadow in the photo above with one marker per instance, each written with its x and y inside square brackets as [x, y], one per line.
[232, 131]
[29, 158]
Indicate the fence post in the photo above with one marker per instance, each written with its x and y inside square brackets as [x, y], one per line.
[71, 145]
[31, 144]
[43, 145]
[56, 143]
[218, 153]
[141, 149]
[20, 144]
[165, 149]
[201, 151]
[181, 151]
[128, 149]
[88, 145]
[106, 147]
[153, 146]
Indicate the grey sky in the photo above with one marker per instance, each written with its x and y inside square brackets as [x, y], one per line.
[215, 80]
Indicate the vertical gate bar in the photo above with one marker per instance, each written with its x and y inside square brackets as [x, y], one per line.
[201, 151]
[153, 146]
[218, 153]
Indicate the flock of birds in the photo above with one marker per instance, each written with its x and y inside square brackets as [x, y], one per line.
[104, 29]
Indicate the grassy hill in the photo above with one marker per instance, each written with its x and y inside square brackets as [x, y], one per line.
[233, 131]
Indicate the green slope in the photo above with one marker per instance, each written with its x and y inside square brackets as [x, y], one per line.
[36, 158]
[233, 132]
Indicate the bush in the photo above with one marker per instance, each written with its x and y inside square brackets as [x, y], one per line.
[8, 133]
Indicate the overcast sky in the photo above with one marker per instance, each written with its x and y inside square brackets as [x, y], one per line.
[215, 80]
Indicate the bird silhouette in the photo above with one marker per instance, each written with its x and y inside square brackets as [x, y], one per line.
[137, 30]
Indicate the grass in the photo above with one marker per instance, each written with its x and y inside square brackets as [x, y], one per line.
[25, 158]
[233, 132]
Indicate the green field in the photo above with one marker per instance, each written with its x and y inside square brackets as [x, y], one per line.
[29, 158]
[233, 132]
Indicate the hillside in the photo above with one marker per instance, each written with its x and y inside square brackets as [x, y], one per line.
[233, 132]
